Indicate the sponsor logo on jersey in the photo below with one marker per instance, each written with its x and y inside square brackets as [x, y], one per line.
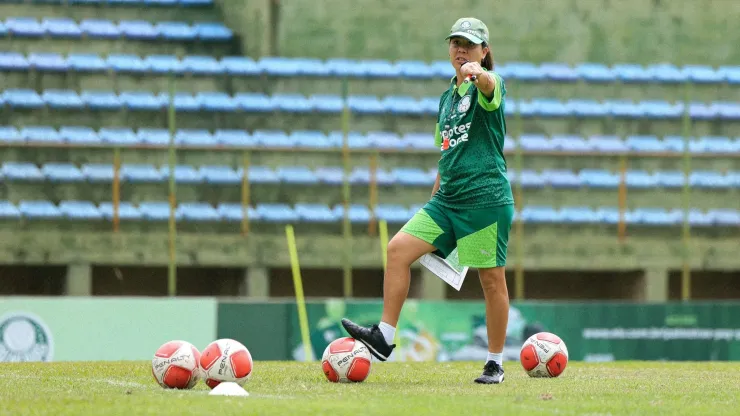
[451, 137]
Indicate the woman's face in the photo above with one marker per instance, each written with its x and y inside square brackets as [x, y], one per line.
[463, 50]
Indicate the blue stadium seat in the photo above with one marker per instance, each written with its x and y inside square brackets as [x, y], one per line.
[565, 143]
[610, 215]
[118, 135]
[430, 105]
[127, 63]
[23, 98]
[661, 109]
[62, 99]
[310, 139]
[219, 175]
[727, 110]
[79, 210]
[528, 178]
[536, 143]
[79, 135]
[716, 144]
[703, 74]
[631, 73]
[669, 179]
[39, 209]
[326, 103]
[314, 213]
[141, 173]
[212, 32]
[297, 175]
[183, 101]
[411, 177]
[100, 29]
[138, 29]
[292, 103]
[608, 144]
[415, 69]
[49, 62]
[392, 213]
[547, 107]
[561, 178]
[699, 218]
[9, 134]
[658, 216]
[40, 134]
[26, 27]
[156, 211]
[402, 105]
[238, 138]
[195, 3]
[235, 212]
[645, 144]
[62, 172]
[361, 175]
[240, 65]
[141, 101]
[261, 174]
[540, 214]
[276, 213]
[254, 102]
[344, 67]
[443, 69]
[598, 178]
[524, 71]
[279, 66]
[357, 213]
[365, 104]
[9, 211]
[421, 141]
[703, 111]
[126, 211]
[195, 137]
[197, 211]
[273, 138]
[725, 216]
[666, 73]
[13, 61]
[202, 65]
[21, 171]
[625, 109]
[330, 175]
[96, 172]
[385, 140]
[378, 68]
[673, 143]
[153, 137]
[558, 72]
[86, 62]
[3, 29]
[579, 215]
[61, 27]
[730, 73]
[164, 64]
[587, 108]
[709, 179]
[184, 174]
[101, 100]
[593, 72]
[640, 179]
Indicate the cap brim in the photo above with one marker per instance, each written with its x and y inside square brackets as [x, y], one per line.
[466, 35]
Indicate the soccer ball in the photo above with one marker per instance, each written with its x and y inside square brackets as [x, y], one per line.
[176, 365]
[346, 360]
[544, 355]
[226, 360]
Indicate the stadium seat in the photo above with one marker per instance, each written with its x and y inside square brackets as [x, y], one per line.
[276, 213]
[82, 62]
[138, 30]
[237, 138]
[666, 73]
[62, 99]
[61, 27]
[153, 137]
[62, 172]
[157, 211]
[99, 29]
[296, 175]
[40, 134]
[9, 211]
[164, 64]
[39, 209]
[184, 174]
[579, 215]
[565, 143]
[197, 211]
[101, 100]
[127, 63]
[640, 179]
[703, 74]
[24, 27]
[724, 216]
[365, 104]
[118, 136]
[272, 138]
[183, 101]
[361, 175]
[540, 214]
[392, 213]
[21, 171]
[126, 211]
[202, 65]
[329, 175]
[95, 172]
[560, 178]
[523, 71]
[238, 65]
[310, 139]
[81, 210]
[411, 177]
[79, 135]
[235, 212]
[10, 134]
[254, 102]
[261, 174]
[23, 98]
[13, 61]
[415, 69]
[528, 178]
[669, 179]
[193, 137]
[141, 173]
[593, 72]
[176, 31]
[212, 32]
[631, 73]
[597, 178]
[558, 72]
[315, 213]
[291, 103]
[708, 179]
[536, 143]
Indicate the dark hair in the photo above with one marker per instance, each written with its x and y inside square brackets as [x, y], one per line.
[488, 59]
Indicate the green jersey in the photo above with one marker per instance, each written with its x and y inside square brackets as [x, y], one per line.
[470, 132]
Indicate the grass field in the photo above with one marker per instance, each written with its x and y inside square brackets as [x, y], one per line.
[290, 388]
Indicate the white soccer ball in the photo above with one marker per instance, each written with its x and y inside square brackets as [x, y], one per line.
[544, 355]
[346, 360]
[176, 365]
[226, 360]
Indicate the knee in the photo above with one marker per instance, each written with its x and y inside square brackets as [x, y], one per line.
[494, 281]
[397, 253]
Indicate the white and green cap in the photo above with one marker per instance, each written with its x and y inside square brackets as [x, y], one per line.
[471, 29]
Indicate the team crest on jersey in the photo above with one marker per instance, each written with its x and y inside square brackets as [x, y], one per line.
[464, 104]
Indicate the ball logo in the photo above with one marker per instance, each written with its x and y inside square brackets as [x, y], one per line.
[24, 337]
[464, 104]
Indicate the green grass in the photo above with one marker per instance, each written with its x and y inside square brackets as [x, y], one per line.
[290, 388]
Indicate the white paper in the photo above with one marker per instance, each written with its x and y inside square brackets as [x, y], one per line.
[448, 269]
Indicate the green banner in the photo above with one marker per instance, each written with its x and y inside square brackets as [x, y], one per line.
[455, 331]
[88, 329]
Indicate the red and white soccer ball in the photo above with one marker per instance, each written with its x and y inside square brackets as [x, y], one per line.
[544, 355]
[226, 360]
[176, 365]
[346, 360]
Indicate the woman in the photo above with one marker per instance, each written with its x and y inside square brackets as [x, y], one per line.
[471, 206]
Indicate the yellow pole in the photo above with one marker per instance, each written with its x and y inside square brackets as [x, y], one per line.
[298, 285]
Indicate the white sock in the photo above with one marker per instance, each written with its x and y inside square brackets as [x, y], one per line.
[497, 357]
[388, 332]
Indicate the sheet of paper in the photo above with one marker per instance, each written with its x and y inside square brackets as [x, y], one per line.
[448, 269]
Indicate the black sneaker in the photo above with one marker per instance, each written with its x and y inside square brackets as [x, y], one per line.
[492, 374]
[371, 337]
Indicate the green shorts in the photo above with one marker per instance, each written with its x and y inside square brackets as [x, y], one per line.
[480, 235]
